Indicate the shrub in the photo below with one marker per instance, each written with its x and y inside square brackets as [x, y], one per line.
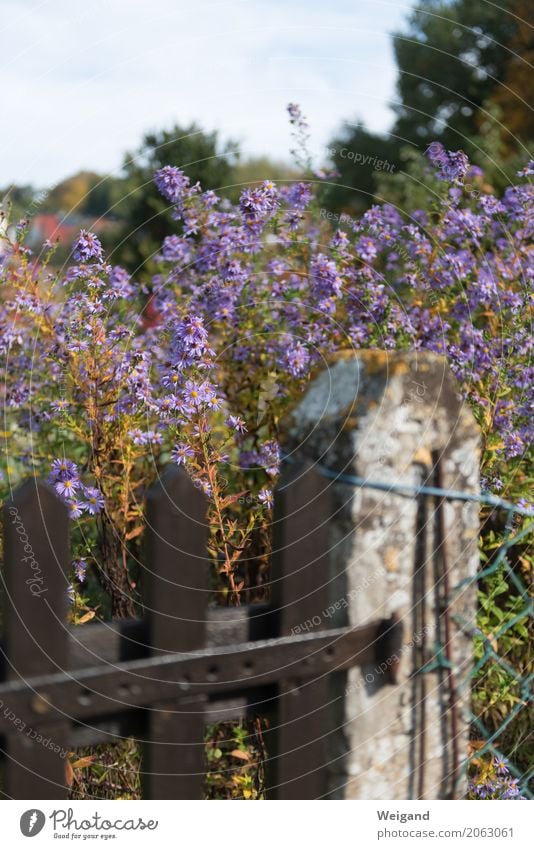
[101, 388]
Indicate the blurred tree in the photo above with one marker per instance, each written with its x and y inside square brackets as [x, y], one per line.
[17, 201]
[352, 153]
[200, 155]
[85, 193]
[512, 98]
[452, 58]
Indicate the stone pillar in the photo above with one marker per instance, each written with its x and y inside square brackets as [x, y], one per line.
[397, 419]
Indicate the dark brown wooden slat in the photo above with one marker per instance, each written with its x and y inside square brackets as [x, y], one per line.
[36, 559]
[107, 642]
[106, 689]
[176, 602]
[298, 745]
[109, 729]
[132, 723]
[128, 639]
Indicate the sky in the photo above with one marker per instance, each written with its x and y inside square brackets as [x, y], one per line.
[82, 80]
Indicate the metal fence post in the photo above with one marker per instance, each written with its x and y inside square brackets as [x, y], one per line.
[396, 419]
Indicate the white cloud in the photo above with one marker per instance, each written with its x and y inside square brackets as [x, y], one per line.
[83, 81]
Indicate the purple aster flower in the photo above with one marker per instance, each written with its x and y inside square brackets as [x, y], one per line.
[176, 249]
[171, 183]
[193, 331]
[259, 202]
[492, 205]
[437, 155]
[189, 342]
[168, 405]
[80, 568]
[171, 380]
[325, 279]
[451, 166]
[181, 453]
[87, 247]
[510, 789]
[94, 500]
[76, 508]
[212, 401]
[269, 457]
[195, 395]
[297, 195]
[265, 496]
[149, 437]
[60, 406]
[367, 249]
[296, 359]
[63, 469]
[501, 765]
[293, 219]
[358, 334]
[526, 505]
[237, 423]
[67, 487]
[296, 117]
[119, 280]
[513, 445]
[204, 486]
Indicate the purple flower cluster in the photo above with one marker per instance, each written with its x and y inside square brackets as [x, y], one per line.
[451, 166]
[189, 342]
[267, 458]
[119, 280]
[295, 359]
[80, 569]
[87, 247]
[258, 203]
[325, 281]
[172, 183]
[499, 784]
[296, 117]
[65, 478]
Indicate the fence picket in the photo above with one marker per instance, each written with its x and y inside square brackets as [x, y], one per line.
[36, 556]
[176, 601]
[299, 578]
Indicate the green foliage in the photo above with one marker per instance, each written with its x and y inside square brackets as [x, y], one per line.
[235, 756]
[501, 700]
[16, 202]
[450, 59]
[350, 152]
[107, 771]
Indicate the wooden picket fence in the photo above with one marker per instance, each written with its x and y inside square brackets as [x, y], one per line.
[161, 678]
